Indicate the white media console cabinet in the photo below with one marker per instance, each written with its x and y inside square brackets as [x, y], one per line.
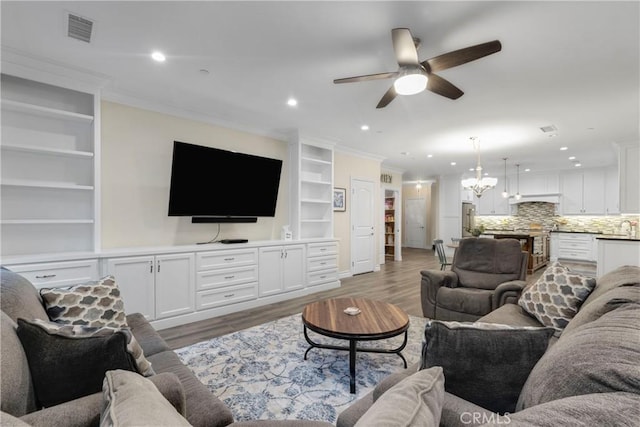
[175, 285]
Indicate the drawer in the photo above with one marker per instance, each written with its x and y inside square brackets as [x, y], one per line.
[224, 259]
[209, 279]
[323, 263]
[575, 245]
[577, 254]
[58, 274]
[224, 296]
[320, 277]
[320, 249]
[585, 237]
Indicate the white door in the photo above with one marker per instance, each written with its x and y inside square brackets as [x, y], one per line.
[363, 219]
[135, 277]
[414, 228]
[175, 284]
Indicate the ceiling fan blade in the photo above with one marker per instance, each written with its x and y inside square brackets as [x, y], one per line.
[437, 84]
[377, 76]
[461, 56]
[404, 46]
[387, 98]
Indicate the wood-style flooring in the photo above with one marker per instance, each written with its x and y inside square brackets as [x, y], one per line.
[397, 282]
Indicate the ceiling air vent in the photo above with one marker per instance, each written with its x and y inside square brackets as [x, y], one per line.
[547, 129]
[80, 28]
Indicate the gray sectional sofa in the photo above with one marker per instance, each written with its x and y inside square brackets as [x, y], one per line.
[589, 375]
[192, 399]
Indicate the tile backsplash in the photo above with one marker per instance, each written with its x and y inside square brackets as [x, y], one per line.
[545, 214]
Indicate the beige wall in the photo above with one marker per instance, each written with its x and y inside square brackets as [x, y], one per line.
[347, 166]
[136, 164]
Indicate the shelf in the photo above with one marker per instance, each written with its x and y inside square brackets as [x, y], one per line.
[320, 201]
[316, 220]
[45, 221]
[22, 107]
[316, 161]
[314, 182]
[45, 184]
[45, 150]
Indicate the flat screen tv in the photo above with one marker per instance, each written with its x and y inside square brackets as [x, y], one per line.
[214, 185]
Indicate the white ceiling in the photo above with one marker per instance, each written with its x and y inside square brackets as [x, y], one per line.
[571, 64]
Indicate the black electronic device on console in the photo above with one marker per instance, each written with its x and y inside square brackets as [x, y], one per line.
[227, 241]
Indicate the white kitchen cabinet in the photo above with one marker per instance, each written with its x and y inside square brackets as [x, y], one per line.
[492, 203]
[583, 192]
[49, 176]
[157, 286]
[612, 191]
[322, 263]
[573, 246]
[628, 160]
[58, 274]
[614, 253]
[281, 269]
[311, 189]
[536, 184]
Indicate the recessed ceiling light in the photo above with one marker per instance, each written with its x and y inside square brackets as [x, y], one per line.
[564, 148]
[578, 164]
[527, 170]
[572, 158]
[471, 169]
[364, 127]
[292, 102]
[158, 56]
[429, 155]
[453, 163]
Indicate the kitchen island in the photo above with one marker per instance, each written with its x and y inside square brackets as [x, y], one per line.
[536, 242]
[615, 251]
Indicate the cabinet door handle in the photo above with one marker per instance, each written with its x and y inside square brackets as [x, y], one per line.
[46, 276]
[158, 266]
[286, 254]
[229, 295]
[150, 266]
[323, 249]
[322, 263]
[229, 277]
[229, 259]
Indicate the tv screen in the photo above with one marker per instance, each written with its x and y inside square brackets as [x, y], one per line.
[211, 182]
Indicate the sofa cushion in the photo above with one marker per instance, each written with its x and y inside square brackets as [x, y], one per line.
[510, 314]
[19, 298]
[597, 409]
[80, 331]
[132, 400]
[597, 357]
[18, 397]
[622, 276]
[416, 400]
[556, 296]
[484, 363]
[56, 362]
[96, 303]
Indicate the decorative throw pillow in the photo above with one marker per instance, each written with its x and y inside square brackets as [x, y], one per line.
[557, 295]
[484, 363]
[131, 400]
[95, 303]
[66, 368]
[416, 400]
[81, 331]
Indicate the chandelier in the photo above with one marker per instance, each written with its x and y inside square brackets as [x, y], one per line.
[479, 184]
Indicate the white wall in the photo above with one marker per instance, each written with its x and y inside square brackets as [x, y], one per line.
[136, 165]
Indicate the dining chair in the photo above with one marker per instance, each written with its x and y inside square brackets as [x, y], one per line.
[439, 244]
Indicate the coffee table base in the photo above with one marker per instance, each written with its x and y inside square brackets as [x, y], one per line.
[352, 349]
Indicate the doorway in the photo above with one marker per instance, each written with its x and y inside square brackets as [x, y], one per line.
[415, 223]
[392, 236]
[363, 220]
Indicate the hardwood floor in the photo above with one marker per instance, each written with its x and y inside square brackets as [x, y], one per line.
[397, 282]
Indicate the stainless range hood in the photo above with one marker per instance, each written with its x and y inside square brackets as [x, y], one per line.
[547, 198]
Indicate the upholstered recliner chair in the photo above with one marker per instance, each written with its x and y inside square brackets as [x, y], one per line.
[485, 274]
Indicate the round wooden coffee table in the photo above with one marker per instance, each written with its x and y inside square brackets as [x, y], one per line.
[377, 320]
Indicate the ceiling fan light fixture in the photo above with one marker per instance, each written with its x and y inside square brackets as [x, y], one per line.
[410, 82]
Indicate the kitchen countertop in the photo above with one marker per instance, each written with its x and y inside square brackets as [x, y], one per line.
[515, 233]
[616, 237]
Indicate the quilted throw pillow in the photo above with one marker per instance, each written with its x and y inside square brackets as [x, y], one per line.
[81, 331]
[96, 304]
[557, 295]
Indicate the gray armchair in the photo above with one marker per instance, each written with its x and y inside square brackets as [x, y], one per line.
[485, 274]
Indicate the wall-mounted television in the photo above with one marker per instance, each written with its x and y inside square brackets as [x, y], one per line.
[214, 185]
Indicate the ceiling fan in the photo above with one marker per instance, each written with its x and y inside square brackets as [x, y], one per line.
[414, 76]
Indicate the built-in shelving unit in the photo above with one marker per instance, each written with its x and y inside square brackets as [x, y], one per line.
[389, 227]
[311, 190]
[49, 172]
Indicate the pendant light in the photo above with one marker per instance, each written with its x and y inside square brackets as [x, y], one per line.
[478, 184]
[518, 196]
[505, 194]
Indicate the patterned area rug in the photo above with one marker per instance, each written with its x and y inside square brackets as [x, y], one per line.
[260, 372]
